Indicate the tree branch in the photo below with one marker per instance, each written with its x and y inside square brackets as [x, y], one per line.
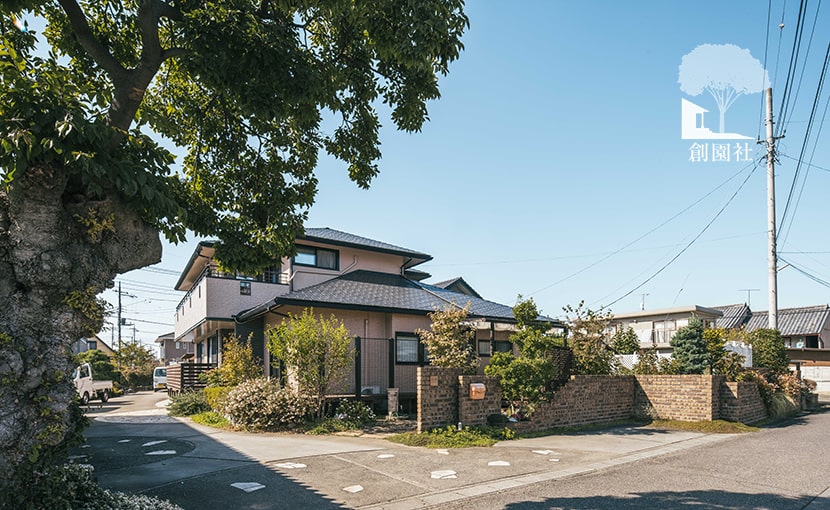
[87, 40]
[168, 11]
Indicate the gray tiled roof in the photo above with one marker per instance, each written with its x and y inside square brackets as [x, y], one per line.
[734, 316]
[369, 290]
[330, 235]
[808, 320]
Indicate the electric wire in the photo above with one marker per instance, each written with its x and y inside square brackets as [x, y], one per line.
[784, 226]
[805, 273]
[620, 250]
[689, 245]
[783, 110]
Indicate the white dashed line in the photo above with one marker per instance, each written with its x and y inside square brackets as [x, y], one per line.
[154, 443]
[442, 452]
[543, 452]
[290, 465]
[385, 456]
[353, 488]
[162, 452]
[444, 474]
[498, 463]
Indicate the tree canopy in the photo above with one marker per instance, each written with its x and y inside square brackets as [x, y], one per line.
[449, 341]
[251, 90]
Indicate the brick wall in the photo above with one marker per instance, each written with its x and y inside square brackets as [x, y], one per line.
[585, 399]
[443, 399]
[475, 412]
[437, 397]
[679, 397]
[741, 401]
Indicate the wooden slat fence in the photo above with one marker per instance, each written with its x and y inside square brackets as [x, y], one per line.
[185, 376]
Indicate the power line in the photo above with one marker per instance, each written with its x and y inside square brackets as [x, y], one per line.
[580, 271]
[689, 245]
[808, 275]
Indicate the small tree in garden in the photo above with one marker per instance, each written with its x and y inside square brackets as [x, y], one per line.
[449, 341]
[136, 364]
[648, 363]
[625, 341]
[315, 352]
[768, 350]
[527, 378]
[690, 348]
[238, 364]
[587, 341]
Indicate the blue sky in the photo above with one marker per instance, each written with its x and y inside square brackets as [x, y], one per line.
[557, 143]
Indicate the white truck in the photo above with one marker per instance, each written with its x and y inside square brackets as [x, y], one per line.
[88, 388]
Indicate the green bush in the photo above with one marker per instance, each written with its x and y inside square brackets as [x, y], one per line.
[354, 411]
[260, 404]
[72, 486]
[188, 403]
[216, 395]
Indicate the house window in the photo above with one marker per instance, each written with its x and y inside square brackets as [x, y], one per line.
[484, 347]
[502, 346]
[317, 257]
[245, 288]
[271, 274]
[409, 349]
[664, 331]
[178, 345]
[92, 344]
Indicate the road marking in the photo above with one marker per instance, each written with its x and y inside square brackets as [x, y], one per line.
[442, 452]
[248, 486]
[498, 463]
[385, 456]
[543, 452]
[162, 452]
[154, 443]
[353, 488]
[125, 441]
[290, 465]
[444, 474]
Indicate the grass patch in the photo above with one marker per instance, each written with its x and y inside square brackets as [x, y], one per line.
[563, 431]
[451, 437]
[212, 419]
[708, 427]
[331, 426]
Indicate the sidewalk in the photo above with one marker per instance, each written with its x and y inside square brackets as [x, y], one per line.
[203, 468]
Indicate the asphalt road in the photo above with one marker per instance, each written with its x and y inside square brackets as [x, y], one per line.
[786, 467]
[136, 447]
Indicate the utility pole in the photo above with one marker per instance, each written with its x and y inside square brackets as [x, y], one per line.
[772, 255]
[119, 316]
[643, 300]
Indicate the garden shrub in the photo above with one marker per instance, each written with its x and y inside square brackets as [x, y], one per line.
[354, 411]
[647, 364]
[260, 404]
[238, 364]
[71, 486]
[188, 403]
[216, 395]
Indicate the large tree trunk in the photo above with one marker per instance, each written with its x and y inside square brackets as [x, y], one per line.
[52, 265]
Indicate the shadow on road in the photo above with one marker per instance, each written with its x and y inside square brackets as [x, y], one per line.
[715, 499]
[152, 454]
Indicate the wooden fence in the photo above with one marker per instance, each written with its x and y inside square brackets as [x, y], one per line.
[185, 376]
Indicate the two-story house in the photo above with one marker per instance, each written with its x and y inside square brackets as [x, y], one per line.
[172, 350]
[373, 287]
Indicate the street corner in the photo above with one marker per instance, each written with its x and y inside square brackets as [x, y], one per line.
[116, 452]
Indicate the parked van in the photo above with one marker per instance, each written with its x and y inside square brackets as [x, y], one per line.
[159, 378]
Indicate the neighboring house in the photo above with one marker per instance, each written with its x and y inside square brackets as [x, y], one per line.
[655, 328]
[172, 350]
[369, 285]
[92, 344]
[806, 334]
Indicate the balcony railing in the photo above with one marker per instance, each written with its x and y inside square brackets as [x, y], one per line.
[268, 276]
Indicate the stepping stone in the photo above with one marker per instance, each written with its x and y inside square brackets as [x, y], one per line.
[154, 443]
[248, 486]
[498, 463]
[162, 452]
[290, 465]
[385, 456]
[445, 474]
[353, 488]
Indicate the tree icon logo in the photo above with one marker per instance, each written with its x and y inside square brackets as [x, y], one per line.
[726, 72]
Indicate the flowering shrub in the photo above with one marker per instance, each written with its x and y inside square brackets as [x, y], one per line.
[260, 404]
[354, 411]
